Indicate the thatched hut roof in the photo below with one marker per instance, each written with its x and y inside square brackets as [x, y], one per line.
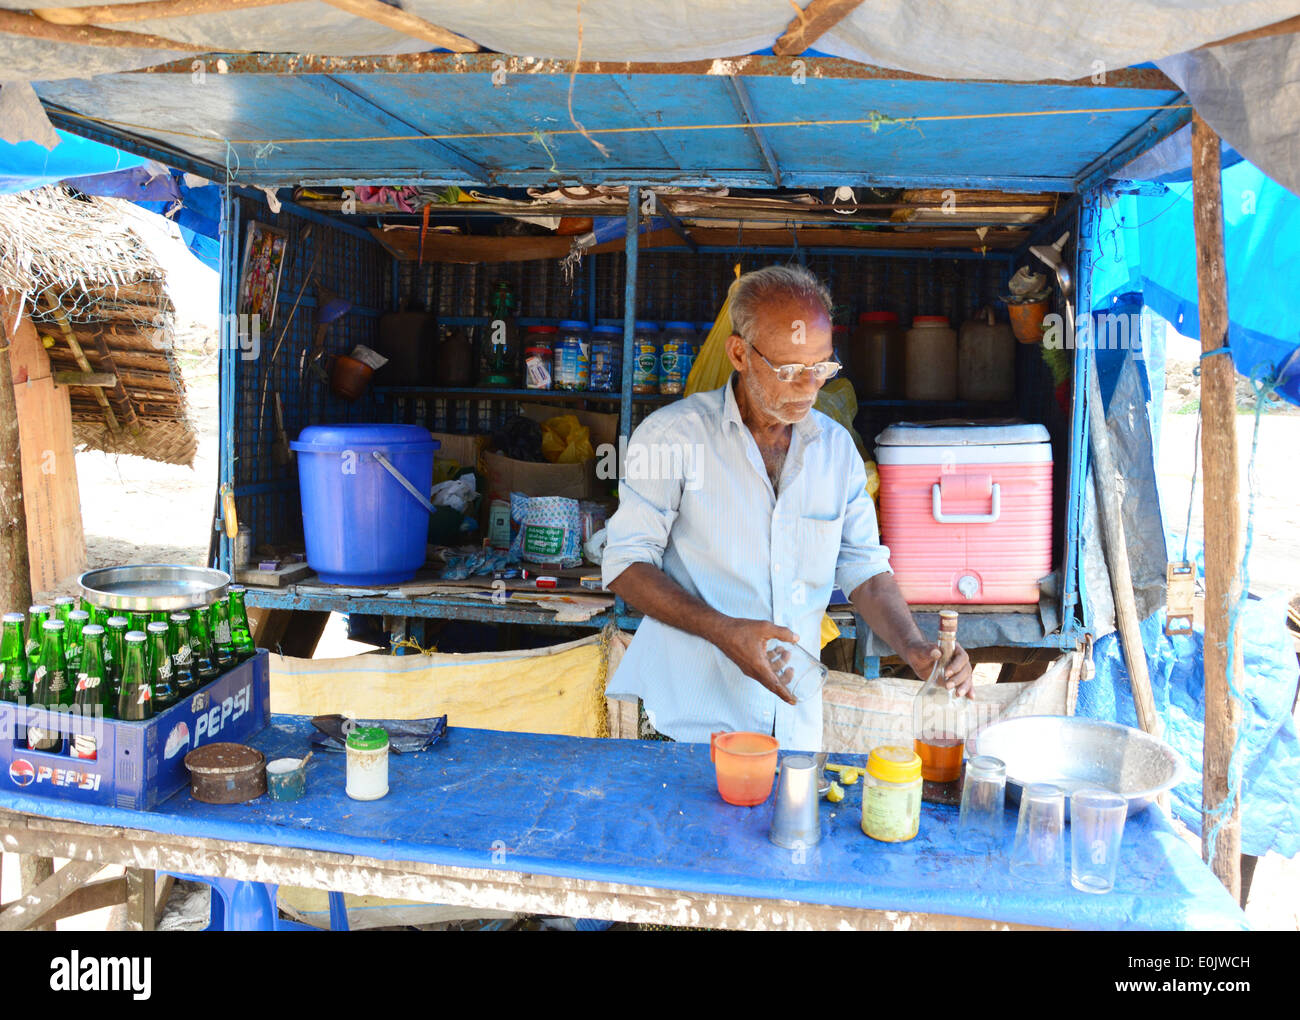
[96, 293]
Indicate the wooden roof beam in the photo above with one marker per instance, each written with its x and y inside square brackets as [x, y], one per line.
[811, 23]
[14, 23]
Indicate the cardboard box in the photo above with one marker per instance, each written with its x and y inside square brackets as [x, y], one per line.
[464, 450]
[603, 427]
[538, 478]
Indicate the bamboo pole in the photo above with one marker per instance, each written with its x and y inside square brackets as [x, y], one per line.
[15, 23]
[117, 14]
[1223, 534]
[15, 568]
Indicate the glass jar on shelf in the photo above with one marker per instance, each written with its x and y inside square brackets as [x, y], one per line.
[645, 349]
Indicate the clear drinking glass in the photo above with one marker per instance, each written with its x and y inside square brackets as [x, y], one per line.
[1096, 827]
[802, 675]
[983, 804]
[1039, 852]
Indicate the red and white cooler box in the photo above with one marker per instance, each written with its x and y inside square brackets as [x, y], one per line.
[966, 511]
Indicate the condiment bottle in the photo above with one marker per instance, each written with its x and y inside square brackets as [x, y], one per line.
[367, 764]
[939, 723]
[891, 794]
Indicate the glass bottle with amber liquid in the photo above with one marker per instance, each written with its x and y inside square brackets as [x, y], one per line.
[939, 723]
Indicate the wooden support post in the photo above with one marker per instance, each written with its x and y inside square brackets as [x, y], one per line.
[39, 901]
[141, 900]
[15, 567]
[1222, 515]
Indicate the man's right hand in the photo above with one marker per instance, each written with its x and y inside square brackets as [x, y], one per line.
[744, 642]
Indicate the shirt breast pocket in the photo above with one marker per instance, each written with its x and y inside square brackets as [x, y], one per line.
[817, 553]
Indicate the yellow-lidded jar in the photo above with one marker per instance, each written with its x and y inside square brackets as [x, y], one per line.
[891, 794]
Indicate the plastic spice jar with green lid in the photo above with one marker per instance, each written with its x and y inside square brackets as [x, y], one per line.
[367, 749]
[891, 794]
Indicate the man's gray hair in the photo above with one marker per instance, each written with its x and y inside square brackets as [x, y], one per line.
[775, 283]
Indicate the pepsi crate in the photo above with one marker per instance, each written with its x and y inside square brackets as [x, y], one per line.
[138, 765]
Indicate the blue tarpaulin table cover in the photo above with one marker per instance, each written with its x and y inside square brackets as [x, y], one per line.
[647, 813]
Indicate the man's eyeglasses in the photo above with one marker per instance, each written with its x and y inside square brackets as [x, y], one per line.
[821, 371]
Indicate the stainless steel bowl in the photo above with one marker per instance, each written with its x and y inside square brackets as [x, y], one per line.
[147, 587]
[1075, 753]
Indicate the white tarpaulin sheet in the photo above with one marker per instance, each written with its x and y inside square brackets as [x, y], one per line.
[1249, 92]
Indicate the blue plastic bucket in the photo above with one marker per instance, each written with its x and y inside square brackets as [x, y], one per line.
[361, 526]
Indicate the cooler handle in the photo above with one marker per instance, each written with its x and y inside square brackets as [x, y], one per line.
[936, 507]
[403, 482]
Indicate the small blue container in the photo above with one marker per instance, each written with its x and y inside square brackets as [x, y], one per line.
[362, 527]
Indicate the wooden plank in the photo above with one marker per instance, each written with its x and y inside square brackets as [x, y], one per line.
[811, 23]
[408, 24]
[163, 890]
[141, 900]
[56, 541]
[15, 560]
[32, 908]
[1288, 26]
[116, 14]
[1105, 478]
[1222, 515]
[489, 888]
[13, 23]
[107, 892]
[404, 244]
[103, 379]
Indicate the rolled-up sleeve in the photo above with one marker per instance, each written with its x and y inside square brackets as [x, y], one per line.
[861, 554]
[647, 506]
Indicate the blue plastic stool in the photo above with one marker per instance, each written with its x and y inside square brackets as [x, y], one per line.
[250, 906]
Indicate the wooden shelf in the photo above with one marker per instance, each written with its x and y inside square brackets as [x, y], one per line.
[495, 393]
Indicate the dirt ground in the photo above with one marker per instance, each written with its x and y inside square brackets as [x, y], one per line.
[138, 511]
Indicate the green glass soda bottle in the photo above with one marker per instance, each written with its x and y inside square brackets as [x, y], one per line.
[13, 660]
[50, 688]
[139, 620]
[205, 663]
[115, 650]
[36, 617]
[223, 648]
[92, 699]
[63, 605]
[135, 702]
[78, 620]
[161, 678]
[179, 647]
[241, 635]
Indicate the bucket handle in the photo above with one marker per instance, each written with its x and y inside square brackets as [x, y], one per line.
[936, 508]
[403, 481]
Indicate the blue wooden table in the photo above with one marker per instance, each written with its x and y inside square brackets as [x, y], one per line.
[618, 829]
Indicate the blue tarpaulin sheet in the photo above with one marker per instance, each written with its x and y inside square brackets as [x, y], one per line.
[647, 813]
[27, 165]
[1147, 244]
[1269, 749]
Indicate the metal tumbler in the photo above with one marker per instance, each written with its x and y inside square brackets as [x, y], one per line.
[796, 819]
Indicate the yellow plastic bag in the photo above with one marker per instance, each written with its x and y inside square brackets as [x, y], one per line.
[712, 367]
[565, 440]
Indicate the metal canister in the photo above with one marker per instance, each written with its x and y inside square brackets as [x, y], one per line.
[573, 356]
[243, 548]
[645, 349]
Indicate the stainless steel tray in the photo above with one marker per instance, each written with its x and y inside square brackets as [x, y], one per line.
[147, 587]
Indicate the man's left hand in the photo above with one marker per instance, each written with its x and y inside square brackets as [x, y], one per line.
[960, 679]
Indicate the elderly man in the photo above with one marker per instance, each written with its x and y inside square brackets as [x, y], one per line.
[739, 510]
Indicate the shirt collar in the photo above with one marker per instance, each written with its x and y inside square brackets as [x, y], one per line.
[807, 430]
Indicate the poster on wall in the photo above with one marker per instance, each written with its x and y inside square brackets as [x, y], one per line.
[259, 280]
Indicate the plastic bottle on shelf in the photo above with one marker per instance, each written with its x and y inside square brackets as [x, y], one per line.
[572, 360]
[877, 356]
[606, 364]
[645, 349]
[931, 372]
[676, 351]
[539, 357]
